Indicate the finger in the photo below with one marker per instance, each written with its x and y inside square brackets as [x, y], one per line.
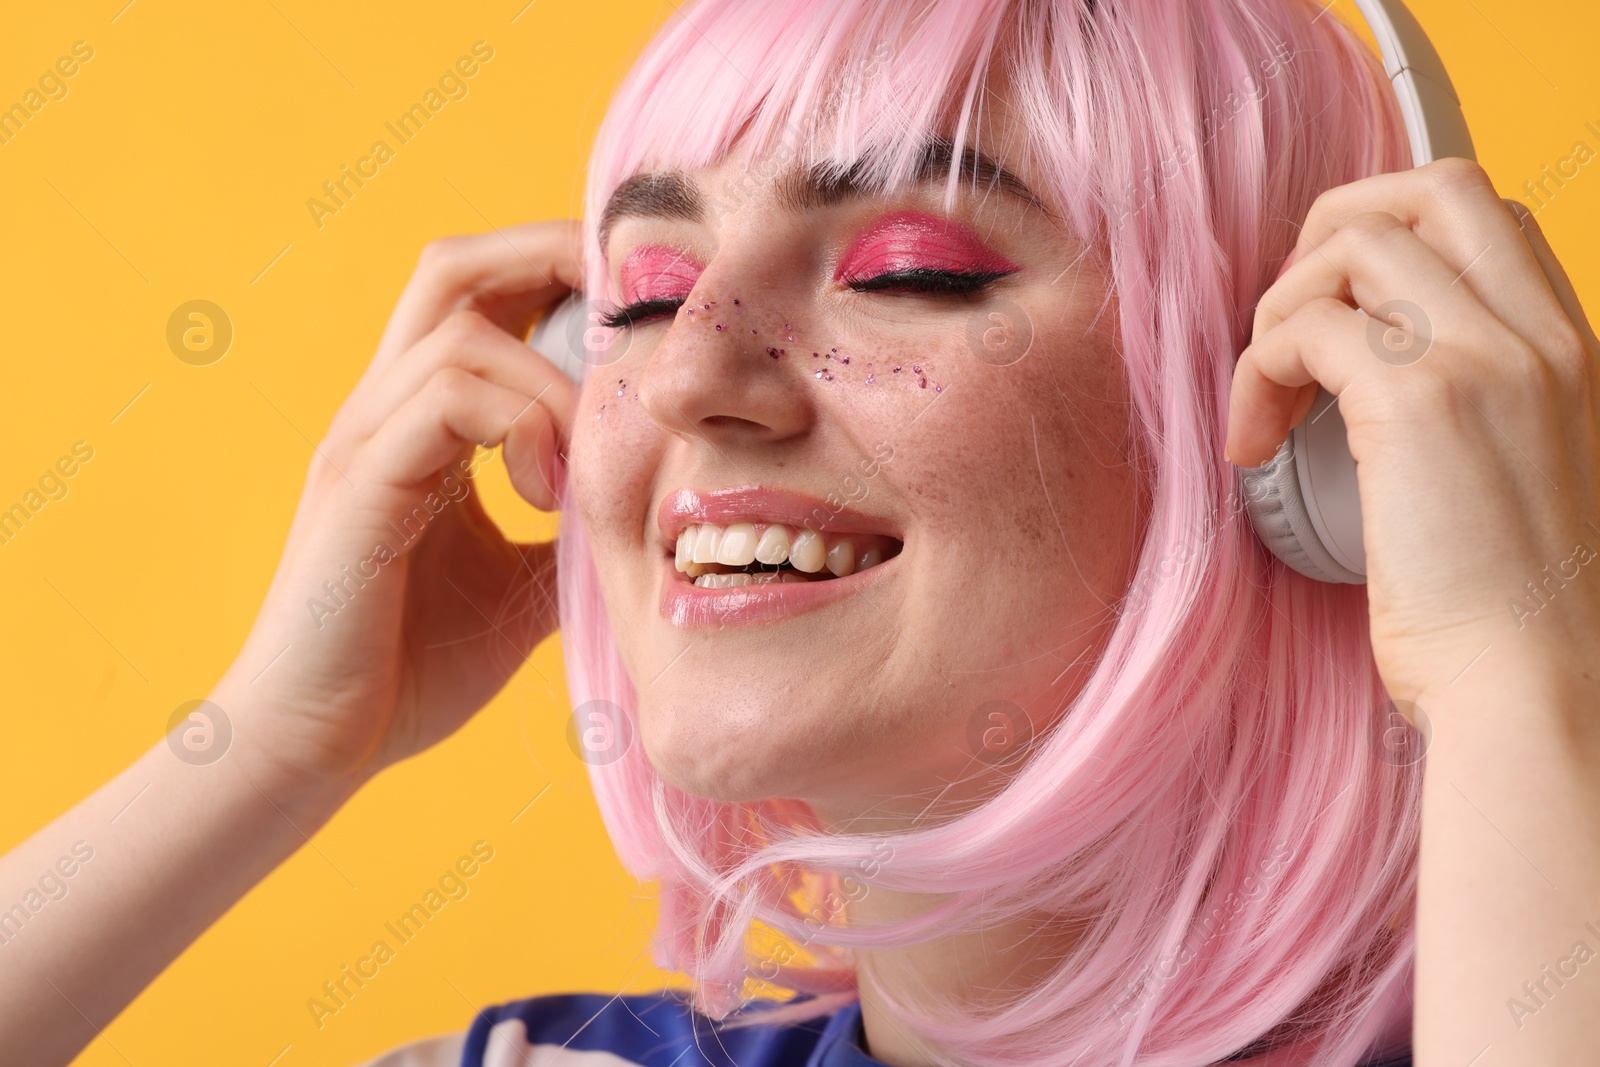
[507, 274]
[1453, 207]
[1275, 382]
[1379, 264]
[1554, 272]
[439, 423]
[534, 460]
[467, 341]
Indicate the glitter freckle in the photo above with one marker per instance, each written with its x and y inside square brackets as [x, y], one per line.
[871, 378]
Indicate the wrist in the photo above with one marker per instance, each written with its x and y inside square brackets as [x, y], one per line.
[1512, 695]
[263, 757]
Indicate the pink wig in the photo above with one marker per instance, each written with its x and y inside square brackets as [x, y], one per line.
[1217, 793]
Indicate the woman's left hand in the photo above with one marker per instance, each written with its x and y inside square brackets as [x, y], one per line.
[1470, 397]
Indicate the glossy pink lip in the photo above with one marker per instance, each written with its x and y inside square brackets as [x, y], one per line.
[906, 240]
[755, 503]
[687, 606]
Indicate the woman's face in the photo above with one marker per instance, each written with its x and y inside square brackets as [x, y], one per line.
[966, 452]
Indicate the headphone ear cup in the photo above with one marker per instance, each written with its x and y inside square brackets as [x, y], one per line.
[1278, 512]
[558, 336]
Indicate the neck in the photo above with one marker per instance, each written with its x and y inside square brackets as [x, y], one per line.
[973, 970]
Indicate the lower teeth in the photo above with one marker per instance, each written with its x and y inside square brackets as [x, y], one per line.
[738, 578]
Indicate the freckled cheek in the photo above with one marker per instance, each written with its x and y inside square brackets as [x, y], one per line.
[1008, 459]
[611, 467]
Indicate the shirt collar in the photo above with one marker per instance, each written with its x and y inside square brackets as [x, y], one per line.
[843, 1041]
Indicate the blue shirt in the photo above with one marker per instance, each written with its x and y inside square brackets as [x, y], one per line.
[647, 1030]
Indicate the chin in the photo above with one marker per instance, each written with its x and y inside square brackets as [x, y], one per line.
[722, 741]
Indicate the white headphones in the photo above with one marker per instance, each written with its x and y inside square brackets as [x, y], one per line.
[559, 336]
[1303, 503]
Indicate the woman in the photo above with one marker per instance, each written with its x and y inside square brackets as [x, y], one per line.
[908, 605]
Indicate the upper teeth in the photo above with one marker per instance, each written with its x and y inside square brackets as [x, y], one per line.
[744, 543]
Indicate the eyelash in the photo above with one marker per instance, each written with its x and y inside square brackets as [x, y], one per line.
[627, 315]
[919, 279]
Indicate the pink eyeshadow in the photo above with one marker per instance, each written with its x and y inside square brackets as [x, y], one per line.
[905, 240]
[655, 272]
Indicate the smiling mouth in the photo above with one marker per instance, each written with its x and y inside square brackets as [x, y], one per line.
[760, 553]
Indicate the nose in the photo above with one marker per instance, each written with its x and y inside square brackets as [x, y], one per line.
[725, 371]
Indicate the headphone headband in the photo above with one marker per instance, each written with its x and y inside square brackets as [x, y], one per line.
[1428, 100]
[1304, 504]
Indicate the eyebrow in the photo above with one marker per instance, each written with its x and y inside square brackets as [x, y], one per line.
[672, 194]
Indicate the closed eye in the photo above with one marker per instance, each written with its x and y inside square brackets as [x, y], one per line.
[641, 311]
[916, 280]
[927, 280]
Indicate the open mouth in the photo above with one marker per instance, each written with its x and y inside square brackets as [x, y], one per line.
[758, 553]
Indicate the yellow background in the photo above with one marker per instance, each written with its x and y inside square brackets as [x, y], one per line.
[177, 168]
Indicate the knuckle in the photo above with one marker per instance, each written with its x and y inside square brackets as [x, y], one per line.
[1321, 323]
[1324, 309]
[1581, 381]
[1325, 319]
[438, 255]
[1569, 353]
[1266, 317]
[1567, 345]
[1372, 228]
[1518, 369]
[1523, 362]
[1455, 178]
[1586, 380]
[460, 329]
[448, 387]
[1524, 215]
[1424, 390]
[1320, 206]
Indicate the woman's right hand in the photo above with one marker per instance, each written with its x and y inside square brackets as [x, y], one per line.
[399, 608]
